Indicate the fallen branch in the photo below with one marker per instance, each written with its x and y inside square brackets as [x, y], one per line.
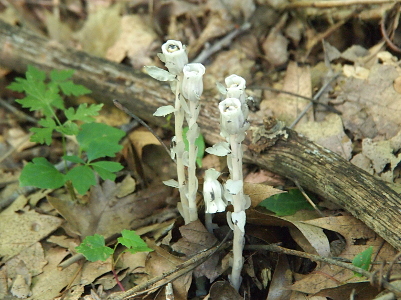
[316, 168]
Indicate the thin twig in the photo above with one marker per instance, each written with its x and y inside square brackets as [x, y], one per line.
[177, 272]
[128, 112]
[315, 98]
[224, 42]
[313, 257]
[330, 108]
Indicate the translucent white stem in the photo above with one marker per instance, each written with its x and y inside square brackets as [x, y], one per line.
[179, 122]
[239, 205]
[192, 179]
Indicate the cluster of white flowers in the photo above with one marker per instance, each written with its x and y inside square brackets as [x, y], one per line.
[186, 83]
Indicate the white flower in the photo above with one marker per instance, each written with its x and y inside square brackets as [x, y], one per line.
[174, 56]
[213, 192]
[232, 118]
[236, 89]
[192, 83]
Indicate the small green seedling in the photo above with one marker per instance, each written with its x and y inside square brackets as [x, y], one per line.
[95, 140]
[93, 247]
[363, 260]
[286, 204]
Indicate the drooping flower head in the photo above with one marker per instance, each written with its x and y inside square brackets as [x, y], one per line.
[192, 83]
[174, 56]
[236, 89]
[213, 192]
[232, 120]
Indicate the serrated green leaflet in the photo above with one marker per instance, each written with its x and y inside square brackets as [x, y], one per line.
[99, 140]
[363, 260]
[94, 249]
[133, 242]
[286, 204]
[82, 178]
[42, 174]
[106, 169]
[83, 113]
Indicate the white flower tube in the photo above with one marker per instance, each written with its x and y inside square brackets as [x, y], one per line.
[232, 117]
[213, 192]
[236, 89]
[192, 83]
[174, 56]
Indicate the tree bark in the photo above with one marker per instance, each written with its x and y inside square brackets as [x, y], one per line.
[288, 154]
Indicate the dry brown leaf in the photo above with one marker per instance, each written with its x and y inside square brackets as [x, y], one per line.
[222, 290]
[285, 107]
[281, 280]
[47, 286]
[196, 238]
[100, 31]
[160, 261]
[105, 214]
[371, 107]
[140, 138]
[93, 270]
[259, 192]
[329, 134]
[266, 177]
[23, 228]
[358, 238]
[137, 41]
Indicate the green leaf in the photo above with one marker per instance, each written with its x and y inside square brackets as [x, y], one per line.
[74, 159]
[94, 248]
[133, 242]
[42, 174]
[99, 140]
[363, 260]
[70, 88]
[106, 169]
[82, 178]
[61, 75]
[286, 204]
[43, 135]
[83, 112]
[35, 74]
[68, 128]
[199, 142]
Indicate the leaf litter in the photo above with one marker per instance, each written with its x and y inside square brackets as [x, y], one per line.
[366, 92]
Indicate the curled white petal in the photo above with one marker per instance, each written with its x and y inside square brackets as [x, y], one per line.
[234, 186]
[159, 74]
[219, 149]
[171, 182]
[213, 192]
[175, 56]
[239, 219]
[232, 117]
[192, 83]
[164, 110]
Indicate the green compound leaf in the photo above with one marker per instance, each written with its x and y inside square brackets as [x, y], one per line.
[61, 75]
[133, 242]
[82, 178]
[70, 88]
[106, 169]
[94, 248]
[286, 204]
[199, 142]
[84, 112]
[363, 260]
[99, 140]
[43, 135]
[74, 159]
[42, 174]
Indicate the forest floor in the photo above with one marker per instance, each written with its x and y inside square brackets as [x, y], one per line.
[330, 70]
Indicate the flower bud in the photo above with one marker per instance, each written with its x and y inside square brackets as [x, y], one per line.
[192, 84]
[232, 117]
[213, 192]
[236, 89]
[174, 56]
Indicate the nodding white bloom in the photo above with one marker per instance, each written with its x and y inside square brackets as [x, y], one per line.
[236, 89]
[213, 192]
[174, 56]
[232, 119]
[192, 83]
